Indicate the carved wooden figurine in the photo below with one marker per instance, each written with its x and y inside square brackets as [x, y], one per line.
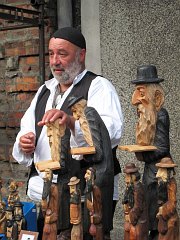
[19, 217]
[152, 134]
[94, 130]
[11, 227]
[168, 219]
[46, 190]
[135, 207]
[2, 209]
[75, 209]
[13, 193]
[2, 216]
[94, 204]
[55, 132]
[51, 217]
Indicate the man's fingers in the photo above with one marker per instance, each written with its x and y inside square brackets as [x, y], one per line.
[51, 116]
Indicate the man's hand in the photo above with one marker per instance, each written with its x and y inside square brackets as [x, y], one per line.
[27, 143]
[54, 114]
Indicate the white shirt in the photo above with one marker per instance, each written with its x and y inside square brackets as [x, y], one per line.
[101, 95]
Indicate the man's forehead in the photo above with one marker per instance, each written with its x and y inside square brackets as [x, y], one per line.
[141, 87]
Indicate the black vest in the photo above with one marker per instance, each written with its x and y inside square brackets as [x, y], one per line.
[80, 89]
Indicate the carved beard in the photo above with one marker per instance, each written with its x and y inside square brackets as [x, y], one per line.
[162, 192]
[46, 189]
[129, 196]
[89, 186]
[146, 127]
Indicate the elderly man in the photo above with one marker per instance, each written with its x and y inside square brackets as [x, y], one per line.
[152, 129]
[67, 53]
[168, 219]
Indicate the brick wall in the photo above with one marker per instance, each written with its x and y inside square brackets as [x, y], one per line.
[19, 80]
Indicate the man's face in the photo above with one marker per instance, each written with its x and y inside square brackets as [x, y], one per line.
[128, 179]
[89, 183]
[65, 59]
[47, 174]
[76, 110]
[146, 111]
[72, 189]
[88, 175]
[162, 175]
[18, 211]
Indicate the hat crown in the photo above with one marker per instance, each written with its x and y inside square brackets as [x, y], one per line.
[147, 74]
[74, 180]
[72, 35]
[166, 162]
[130, 168]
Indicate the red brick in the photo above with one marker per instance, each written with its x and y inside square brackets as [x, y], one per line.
[32, 60]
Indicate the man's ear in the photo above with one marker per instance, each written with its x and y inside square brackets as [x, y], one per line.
[159, 100]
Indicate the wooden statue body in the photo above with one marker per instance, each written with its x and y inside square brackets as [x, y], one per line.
[14, 195]
[168, 219]
[136, 218]
[51, 217]
[2, 217]
[94, 205]
[75, 208]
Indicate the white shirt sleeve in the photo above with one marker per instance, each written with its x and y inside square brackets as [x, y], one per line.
[27, 125]
[104, 98]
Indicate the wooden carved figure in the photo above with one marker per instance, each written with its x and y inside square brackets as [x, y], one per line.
[52, 209]
[152, 129]
[168, 219]
[75, 209]
[46, 190]
[55, 132]
[94, 204]
[135, 207]
[13, 193]
[19, 217]
[2, 216]
[96, 135]
[11, 227]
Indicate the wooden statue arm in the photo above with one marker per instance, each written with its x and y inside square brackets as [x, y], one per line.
[137, 209]
[168, 208]
[51, 219]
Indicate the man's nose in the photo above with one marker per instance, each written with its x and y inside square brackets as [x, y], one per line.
[135, 100]
[56, 60]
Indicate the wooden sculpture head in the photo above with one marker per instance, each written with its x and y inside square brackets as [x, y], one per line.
[148, 97]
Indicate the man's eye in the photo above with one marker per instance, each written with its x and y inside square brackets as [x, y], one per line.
[141, 94]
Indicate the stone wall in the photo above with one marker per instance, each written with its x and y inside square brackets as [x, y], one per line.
[135, 32]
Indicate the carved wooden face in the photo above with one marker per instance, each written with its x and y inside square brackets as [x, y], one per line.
[18, 211]
[162, 174]
[72, 189]
[48, 174]
[140, 95]
[146, 111]
[129, 178]
[88, 175]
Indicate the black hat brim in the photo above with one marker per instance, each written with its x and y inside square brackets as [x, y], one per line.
[147, 81]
